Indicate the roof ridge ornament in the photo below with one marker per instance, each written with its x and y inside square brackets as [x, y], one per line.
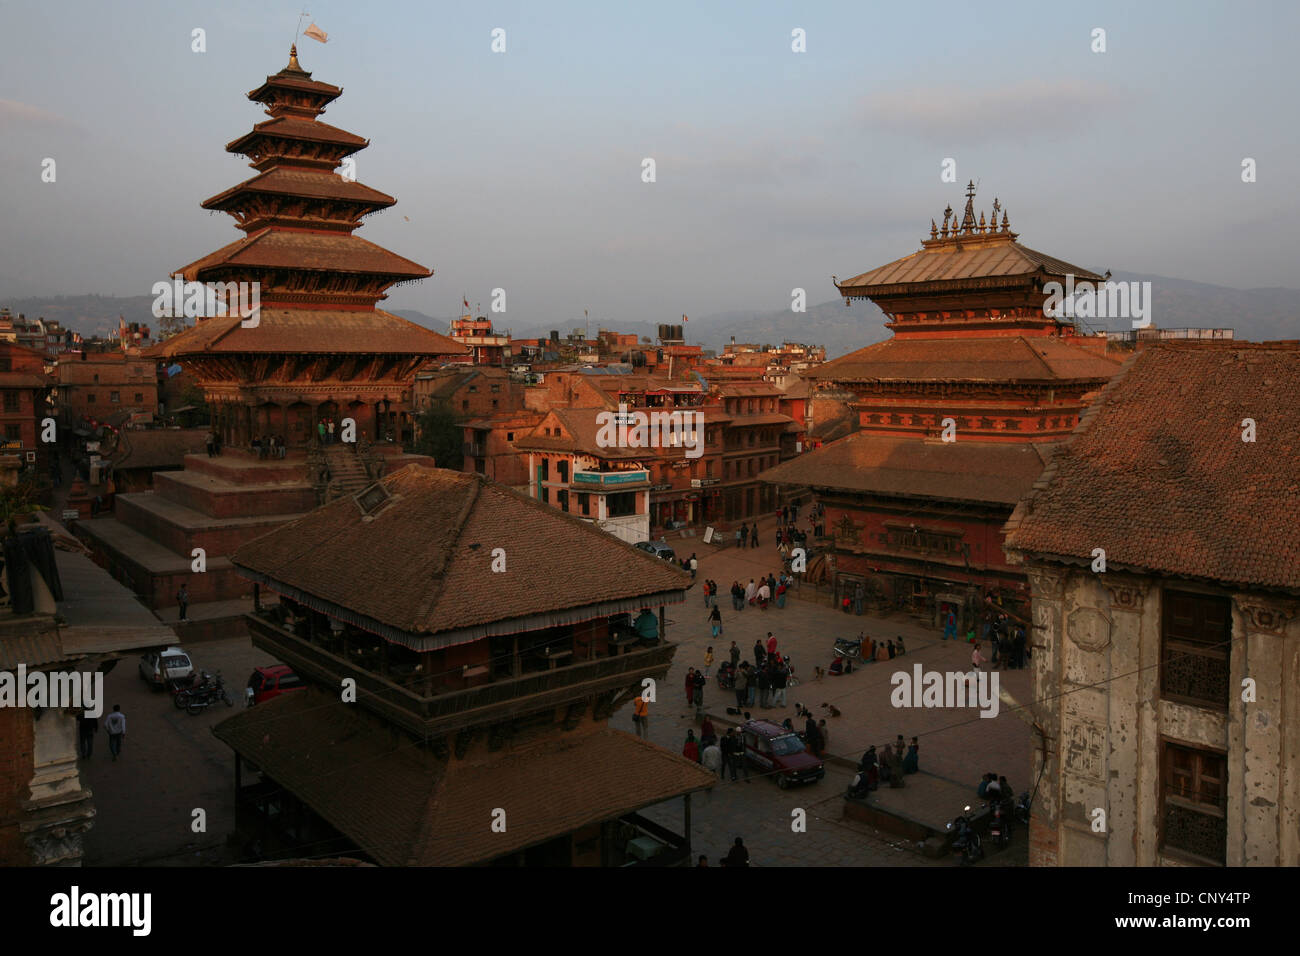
[968, 220]
[934, 230]
[293, 61]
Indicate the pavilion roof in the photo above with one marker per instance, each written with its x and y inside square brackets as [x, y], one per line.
[1158, 474]
[410, 809]
[984, 472]
[314, 184]
[276, 248]
[297, 128]
[309, 331]
[421, 564]
[966, 359]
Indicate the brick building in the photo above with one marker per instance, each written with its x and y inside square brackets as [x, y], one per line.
[24, 397]
[1163, 553]
[96, 387]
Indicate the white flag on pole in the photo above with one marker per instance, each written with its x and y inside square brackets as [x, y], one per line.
[316, 33]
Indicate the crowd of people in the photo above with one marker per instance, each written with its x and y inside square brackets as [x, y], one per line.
[890, 764]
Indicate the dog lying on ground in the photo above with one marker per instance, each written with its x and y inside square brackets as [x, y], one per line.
[831, 709]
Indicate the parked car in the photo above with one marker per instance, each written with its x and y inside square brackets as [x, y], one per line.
[781, 753]
[160, 668]
[268, 682]
[657, 548]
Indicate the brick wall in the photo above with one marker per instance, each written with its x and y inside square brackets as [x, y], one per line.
[15, 774]
[1044, 844]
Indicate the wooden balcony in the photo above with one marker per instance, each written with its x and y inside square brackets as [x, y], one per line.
[439, 714]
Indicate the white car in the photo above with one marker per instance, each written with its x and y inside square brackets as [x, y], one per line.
[158, 668]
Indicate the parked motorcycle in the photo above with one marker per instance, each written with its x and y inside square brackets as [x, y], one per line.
[967, 842]
[1022, 808]
[1000, 826]
[850, 650]
[197, 700]
[183, 689]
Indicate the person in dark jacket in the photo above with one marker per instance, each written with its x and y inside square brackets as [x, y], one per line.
[738, 856]
[812, 736]
[87, 727]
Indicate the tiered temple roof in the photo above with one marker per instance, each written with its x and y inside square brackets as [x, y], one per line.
[319, 284]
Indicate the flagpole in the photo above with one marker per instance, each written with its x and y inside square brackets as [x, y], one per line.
[298, 31]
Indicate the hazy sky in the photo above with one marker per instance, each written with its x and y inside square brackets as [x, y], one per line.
[775, 169]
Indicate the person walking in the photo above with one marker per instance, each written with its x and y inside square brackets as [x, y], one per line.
[911, 763]
[641, 716]
[950, 626]
[735, 753]
[87, 727]
[739, 856]
[183, 602]
[691, 749]
[320, 431]
[715, 620]
[737, 596]
[780, 678]
[764, 688]
[694, 565]
[329, 426]
[824, 733]
[742, 686]
[759, 653]
[699, 694]
[771, 644]
[115, 724]
[735, 656]
[750, 591]
[690, 686]
[976, 658]
[753, 535]
[812, 736]
[711, 758]
[708, 657]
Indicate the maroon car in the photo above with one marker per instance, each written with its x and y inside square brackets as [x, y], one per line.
[781, 753]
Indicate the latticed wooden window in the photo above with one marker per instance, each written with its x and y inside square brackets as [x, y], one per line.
[1194, 801]
[1196, 638]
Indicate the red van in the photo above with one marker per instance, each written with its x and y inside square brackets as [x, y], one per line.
[781, 753]
[268, 682]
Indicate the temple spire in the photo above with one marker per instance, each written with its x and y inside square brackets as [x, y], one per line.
[293, 61]
[968, 220]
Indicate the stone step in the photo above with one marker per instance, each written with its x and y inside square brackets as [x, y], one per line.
[219, 497]
[181, 529]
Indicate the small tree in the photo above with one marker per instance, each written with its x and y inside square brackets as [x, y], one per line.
[439, 435]
[22, 498]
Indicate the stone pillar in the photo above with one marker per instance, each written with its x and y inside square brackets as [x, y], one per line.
[1047, 591]
[1264, 748]
[1132, 758]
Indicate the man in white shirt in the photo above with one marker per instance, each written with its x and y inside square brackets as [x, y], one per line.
[711, 759]
[115, 724]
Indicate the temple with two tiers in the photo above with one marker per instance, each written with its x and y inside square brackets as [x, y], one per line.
[957, 413]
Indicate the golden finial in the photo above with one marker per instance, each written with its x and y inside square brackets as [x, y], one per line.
[1006, 223]
[934, 230]
[293, 59]
[983, 228]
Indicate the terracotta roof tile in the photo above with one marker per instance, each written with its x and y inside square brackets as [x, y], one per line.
[310, 331]
[408, 809]
[996, 472]
[292, 127]
[1157, 474]
[303, 182]
[422, 564]
[1021, 358]
[976, 259]
[281, 248]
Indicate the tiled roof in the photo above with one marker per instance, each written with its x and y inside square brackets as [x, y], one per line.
[310, 331]
[581, 430]
[422, 564]
[281, 249]
[1158, 475]
[991, 472]
[34, 650]
[303, 182]
[291, 127]
[403, 807]
[158, 448]
[973, 259]
[1000, 359]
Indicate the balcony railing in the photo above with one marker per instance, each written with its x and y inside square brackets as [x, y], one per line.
[473, 450]
[437, 714]
[607, 479]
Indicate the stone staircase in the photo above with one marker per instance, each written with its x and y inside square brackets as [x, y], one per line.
[349, 471]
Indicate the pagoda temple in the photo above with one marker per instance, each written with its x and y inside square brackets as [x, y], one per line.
[319, 350]
[958, 413]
